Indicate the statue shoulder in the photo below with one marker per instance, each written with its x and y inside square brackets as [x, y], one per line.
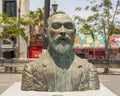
[92, 68]
[30, 67]
[38, 63]
[84, 63]
[81, 61]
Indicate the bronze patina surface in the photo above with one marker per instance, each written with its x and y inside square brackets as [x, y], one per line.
[59, 69]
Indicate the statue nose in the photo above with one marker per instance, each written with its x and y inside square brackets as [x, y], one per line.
[63, 31]
[63, 34]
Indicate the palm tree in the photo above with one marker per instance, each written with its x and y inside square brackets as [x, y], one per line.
[40, 14]
[36, 19]
[33, 22]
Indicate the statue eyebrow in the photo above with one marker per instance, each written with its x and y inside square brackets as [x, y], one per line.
[62, 23]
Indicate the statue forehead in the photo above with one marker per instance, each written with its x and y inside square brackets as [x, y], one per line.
[60, 18]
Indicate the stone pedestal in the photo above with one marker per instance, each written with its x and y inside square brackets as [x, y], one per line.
[15, 90]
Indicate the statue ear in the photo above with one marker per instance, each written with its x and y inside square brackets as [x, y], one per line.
[45, 32]
[74, 32]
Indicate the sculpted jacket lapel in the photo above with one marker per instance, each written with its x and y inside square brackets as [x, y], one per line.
[76, 73]
[48, 72]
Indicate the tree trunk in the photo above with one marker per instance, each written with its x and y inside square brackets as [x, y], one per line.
[94, 55]
[0, 48]
[106, 69]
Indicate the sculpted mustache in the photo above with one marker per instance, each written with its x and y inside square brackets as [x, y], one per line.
[65, 39]
[60, 38]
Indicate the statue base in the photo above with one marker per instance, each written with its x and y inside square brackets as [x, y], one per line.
[15, 90]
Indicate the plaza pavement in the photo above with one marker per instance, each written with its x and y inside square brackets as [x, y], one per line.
[110, 80]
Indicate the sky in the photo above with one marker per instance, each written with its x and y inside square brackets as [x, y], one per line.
[67, 6]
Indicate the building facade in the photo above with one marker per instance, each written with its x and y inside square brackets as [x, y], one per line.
[16, 8]
[86, 47]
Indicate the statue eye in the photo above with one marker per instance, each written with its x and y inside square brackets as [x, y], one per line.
[68, 25]
[56, 25]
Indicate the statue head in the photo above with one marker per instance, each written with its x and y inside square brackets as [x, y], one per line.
[61, 32]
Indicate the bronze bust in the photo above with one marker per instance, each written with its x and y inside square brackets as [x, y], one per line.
[59, 69]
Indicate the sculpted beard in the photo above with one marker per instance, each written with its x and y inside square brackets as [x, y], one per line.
[62, 44]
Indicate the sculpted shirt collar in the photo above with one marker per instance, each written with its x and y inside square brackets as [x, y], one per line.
[62, 60]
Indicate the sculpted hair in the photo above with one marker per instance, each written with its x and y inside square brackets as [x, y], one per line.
[58, 12]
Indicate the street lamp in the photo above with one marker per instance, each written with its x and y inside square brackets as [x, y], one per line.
[54, 6]
[46, 15]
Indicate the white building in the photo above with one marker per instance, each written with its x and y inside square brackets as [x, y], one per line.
[13, 6]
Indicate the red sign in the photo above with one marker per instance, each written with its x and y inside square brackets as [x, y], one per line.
[35, 51]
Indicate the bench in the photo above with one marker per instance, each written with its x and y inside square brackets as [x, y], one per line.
[12, 67]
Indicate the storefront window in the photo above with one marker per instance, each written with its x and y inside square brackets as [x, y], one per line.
[9, 7]
[14, 39]
[9, 53]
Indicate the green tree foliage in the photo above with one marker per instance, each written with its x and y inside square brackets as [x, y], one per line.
[10, 28]
[104, 17]
[103, 14]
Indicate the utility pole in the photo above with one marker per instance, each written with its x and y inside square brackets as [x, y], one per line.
[19, 15]
[46, 15]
